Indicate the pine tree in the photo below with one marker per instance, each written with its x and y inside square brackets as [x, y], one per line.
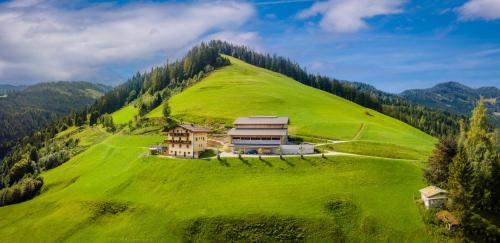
[437, 171]
[166, 109]
[459, 182]
[482, 151]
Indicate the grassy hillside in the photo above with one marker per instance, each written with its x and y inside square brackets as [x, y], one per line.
[245, 90]
[125, 114]
[115, 192]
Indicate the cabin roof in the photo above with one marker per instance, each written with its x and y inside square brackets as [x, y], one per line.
[261, 120]
[447, 217]
[431, 191]
[257, 132]
[193, 128]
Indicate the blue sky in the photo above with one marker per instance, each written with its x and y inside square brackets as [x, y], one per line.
[391, 44]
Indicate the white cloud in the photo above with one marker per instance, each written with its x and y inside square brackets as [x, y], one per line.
[41, 41]
[480, 9]
[350, 15]
[250, 39]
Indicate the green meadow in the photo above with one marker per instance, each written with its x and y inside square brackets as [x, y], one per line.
[116, 192]
[245, 90]
[385, 150]
[125, 114]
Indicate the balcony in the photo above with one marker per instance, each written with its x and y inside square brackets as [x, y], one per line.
[178, 141]
[173, 134]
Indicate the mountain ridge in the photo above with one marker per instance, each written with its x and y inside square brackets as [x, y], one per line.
[28, 108]
[458, 98]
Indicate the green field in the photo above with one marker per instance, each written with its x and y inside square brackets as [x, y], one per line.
[377, 149]
[125, 114]
[245, 90]
[114, 191]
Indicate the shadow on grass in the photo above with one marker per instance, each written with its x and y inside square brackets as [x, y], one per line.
[244, 161]
[289, 163]
[223, 162]
[311, 161]
[266, 162]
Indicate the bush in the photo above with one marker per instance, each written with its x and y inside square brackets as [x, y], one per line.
[25, 189]
[20, 169]
[55, 159]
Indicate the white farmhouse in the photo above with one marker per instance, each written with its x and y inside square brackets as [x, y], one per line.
[434, 197]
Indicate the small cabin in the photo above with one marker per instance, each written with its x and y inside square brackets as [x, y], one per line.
[448, 219]
[434, 197]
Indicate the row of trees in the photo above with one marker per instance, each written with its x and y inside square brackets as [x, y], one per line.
[432, 121]
[469, 167]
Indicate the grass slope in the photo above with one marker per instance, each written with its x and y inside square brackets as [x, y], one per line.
[125, 114]
[115, 192]
[245, 90]
[377, 149]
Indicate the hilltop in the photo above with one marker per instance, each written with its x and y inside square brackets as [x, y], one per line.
[242, 89]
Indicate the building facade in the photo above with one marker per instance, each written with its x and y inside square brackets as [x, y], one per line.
[258, 134]
[433, 197]
[187, 141]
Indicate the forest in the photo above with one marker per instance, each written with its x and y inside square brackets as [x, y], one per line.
[26, 109]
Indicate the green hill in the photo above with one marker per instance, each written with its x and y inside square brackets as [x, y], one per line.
[245, 90]
[115, 192]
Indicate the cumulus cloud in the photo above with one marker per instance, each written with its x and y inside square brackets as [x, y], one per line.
[41, 41]
[480, 9]
[350, 15]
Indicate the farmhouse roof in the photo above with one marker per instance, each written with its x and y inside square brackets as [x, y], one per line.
[257, 132]
[194, 128]
[447, 217]
[261, 120]
[431, 191]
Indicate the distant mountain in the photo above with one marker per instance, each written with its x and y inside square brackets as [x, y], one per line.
[27, 108]
[458, 98]
[6, 88]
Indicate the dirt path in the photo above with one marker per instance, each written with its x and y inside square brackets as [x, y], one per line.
[359, 132]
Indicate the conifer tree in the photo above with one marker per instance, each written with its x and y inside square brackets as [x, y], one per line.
[459, 182]
[166, 109]
[437, 171]
[481, 147]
